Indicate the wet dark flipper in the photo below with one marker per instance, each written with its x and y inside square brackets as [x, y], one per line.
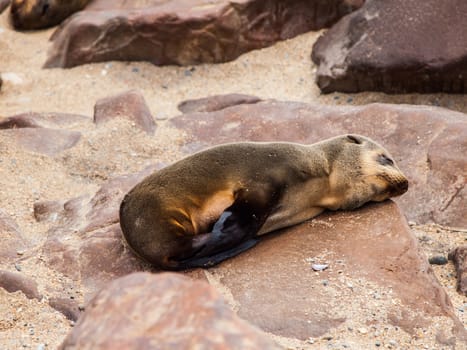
[235, 230]
[215, 259]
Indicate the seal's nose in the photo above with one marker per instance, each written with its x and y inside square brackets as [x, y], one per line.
[400, 187]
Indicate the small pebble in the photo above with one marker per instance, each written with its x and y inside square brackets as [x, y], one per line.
[378, 344]
[319, 267]
[41, 347]
[325, 282]
[328, 338]
[310, 340]
[350, 100]
[18, 267]
[438, 260]
[135, 69]
[363, 330]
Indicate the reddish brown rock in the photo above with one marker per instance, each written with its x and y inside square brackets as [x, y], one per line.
[397, 47]
[44, 120]
[428, 143]
[44, 140]
[130, 105]
[459, 257]
[185, 32]
[164, 311]
[215, 103]
[13, 281]
[12, 241]
[375, 267]
[68, 307]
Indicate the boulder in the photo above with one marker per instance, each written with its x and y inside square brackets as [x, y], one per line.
[428, 143]
[185, 32]
[163, 311]
[130, 105]
[396, 46]
[459, 257]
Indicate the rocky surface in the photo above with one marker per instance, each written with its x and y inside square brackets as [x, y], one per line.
[185, 32]
[459, 257]
[396, 47]
[162, 311]
[427, 143]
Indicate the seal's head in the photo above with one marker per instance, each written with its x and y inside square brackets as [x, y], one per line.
[361, 171]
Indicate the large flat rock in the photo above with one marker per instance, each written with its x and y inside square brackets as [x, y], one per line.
[396, 46]
[376, 275]
[428, 143]
[185, 32]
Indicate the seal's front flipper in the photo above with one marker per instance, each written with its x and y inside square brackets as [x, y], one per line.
[215, 259]
[235, 230]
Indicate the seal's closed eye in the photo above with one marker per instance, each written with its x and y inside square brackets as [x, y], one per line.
[354, 139]
[384, 160]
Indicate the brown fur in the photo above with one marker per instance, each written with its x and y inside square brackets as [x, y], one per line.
[164, 216]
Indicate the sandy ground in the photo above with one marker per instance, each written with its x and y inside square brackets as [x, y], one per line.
[283, 72]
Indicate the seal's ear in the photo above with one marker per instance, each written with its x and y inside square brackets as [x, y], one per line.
[354, 139]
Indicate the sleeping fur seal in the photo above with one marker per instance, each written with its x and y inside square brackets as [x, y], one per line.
[216, 203]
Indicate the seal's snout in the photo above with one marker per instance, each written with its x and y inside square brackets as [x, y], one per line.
[399, 187]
